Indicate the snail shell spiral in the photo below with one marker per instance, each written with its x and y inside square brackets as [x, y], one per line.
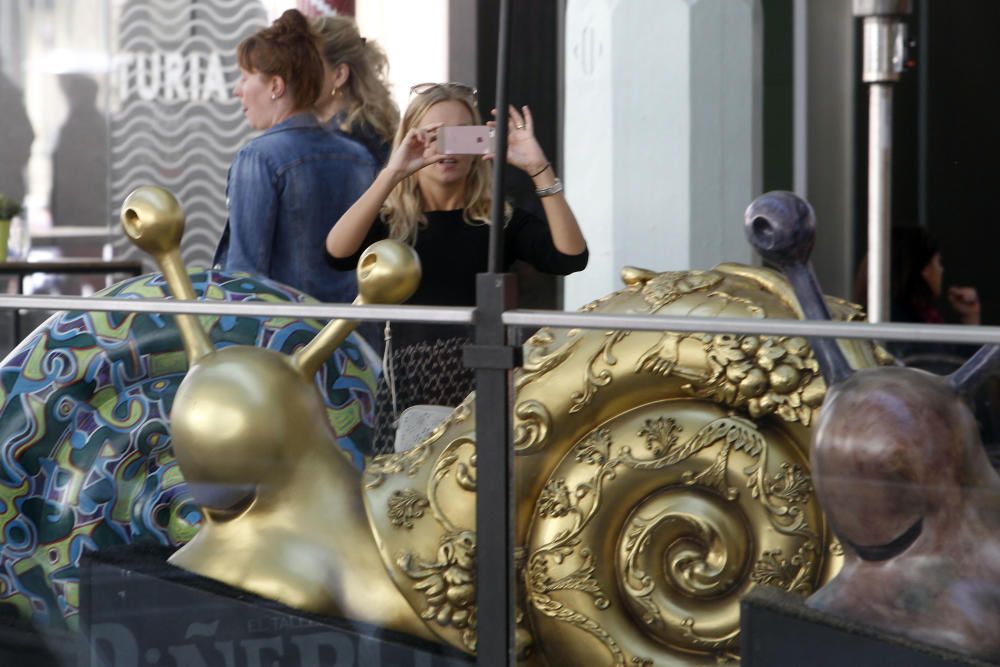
[660, 476]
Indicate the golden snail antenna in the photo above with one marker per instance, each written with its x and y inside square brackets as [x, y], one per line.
[153, 220]
[388, 272]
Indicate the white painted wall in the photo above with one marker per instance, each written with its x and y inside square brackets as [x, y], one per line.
[830, 82]
[662, 133]
[414, 35]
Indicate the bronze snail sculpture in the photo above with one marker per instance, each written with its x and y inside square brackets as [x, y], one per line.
[902, 473]
[660, 476]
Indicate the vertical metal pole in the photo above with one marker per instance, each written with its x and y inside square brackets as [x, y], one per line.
[923, 108]
[884, 48]
[879, 200]
[493, 360]
[495, 576]
[500, 162]
[800, 59]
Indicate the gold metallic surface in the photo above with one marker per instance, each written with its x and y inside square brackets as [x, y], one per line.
[660, 476]
[153, 220]
[283, 515]
[388, 272]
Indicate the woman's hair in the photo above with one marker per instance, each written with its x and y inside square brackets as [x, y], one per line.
[912, 248]
[366, 93]
[403, 208]
[286, 49]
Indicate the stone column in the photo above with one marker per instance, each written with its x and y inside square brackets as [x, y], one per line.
[662, 133]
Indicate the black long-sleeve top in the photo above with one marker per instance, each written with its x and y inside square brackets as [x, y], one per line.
[452, 252]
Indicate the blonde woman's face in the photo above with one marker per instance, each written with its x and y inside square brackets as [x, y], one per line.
[455, 169]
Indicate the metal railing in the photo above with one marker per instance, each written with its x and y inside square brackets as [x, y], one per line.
[499, 412]
[932, 333]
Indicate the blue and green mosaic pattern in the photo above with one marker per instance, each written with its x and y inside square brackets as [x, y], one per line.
[85, 457]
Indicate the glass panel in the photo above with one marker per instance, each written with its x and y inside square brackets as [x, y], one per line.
[268, 489]
[174, 120]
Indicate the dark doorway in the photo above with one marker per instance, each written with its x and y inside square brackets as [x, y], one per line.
[534, 80]
[946, 142]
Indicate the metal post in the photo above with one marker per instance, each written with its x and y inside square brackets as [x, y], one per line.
[500, 162]
[884, 45]
[879, 199]
[493, 360]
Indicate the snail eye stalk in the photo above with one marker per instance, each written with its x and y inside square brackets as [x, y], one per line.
[154, 222]
[388, 272]
[967, 379]
[782, 227]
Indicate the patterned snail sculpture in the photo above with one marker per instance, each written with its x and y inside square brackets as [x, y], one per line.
[901, 470]
[85, 450]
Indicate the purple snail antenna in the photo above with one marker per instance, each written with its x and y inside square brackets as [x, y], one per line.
[974, 371]
[782, 227]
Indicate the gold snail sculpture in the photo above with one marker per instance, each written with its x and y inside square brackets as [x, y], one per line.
[660, 476]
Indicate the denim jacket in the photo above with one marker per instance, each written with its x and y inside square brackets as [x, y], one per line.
[286, 188]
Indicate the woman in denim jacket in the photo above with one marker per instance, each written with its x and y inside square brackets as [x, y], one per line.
[288, 183]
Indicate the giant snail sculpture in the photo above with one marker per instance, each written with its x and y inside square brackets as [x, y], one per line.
[901, 470]
[628, 449]
[660, 475]
[86, 461]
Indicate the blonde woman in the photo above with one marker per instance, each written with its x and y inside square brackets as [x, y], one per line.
[440, 204]
[355, 98]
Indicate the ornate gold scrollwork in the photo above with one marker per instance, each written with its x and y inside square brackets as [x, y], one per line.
[594, 379]
[666, 288]
[649, 499]
[764, 375]
[447, 581]
[448, 584]
[410, 461]
[539, 359]
[684, 531]
[405, 506]
[531, 426]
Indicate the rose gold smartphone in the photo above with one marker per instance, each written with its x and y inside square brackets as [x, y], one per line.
[465, 140]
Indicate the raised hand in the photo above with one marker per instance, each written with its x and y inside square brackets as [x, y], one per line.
[417, 150]
[523, 150]
[965, 301]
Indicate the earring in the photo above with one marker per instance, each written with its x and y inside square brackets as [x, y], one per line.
[273, 97]
[335, 92]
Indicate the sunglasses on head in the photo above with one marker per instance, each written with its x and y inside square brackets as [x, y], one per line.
[460, 88]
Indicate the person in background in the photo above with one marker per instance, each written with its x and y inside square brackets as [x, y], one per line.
[917, 295]
[440, 204]
[355, 98]
[288, 183]
[916, 282]
[16, 138]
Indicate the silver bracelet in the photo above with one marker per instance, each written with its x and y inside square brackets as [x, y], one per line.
[553, 189]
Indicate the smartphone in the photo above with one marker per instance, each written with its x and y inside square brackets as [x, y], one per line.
[465, 140]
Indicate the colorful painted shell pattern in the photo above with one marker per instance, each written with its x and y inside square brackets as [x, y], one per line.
[85, 457]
